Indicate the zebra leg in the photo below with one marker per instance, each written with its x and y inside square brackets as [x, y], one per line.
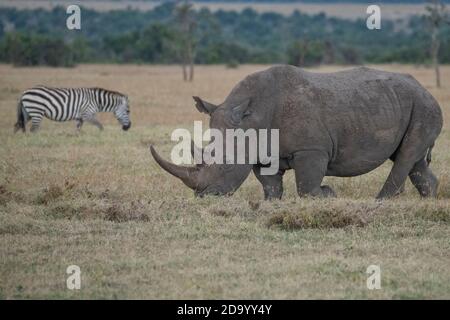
[79, 124]
[35, 123]
[95, 122]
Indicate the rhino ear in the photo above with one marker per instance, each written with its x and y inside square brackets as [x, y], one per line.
[240, 111]
[203, 106]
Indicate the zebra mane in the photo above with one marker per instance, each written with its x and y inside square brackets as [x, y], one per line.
[110, 91]
[93, 88]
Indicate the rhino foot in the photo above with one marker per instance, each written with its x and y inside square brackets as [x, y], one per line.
[327, 192]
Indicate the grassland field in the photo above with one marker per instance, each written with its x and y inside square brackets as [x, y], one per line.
[99, 201]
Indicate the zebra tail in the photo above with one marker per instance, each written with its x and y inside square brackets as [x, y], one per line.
[21, 114]
[429, 154]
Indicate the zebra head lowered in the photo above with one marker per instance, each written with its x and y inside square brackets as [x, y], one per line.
[122, 113]
[115, 102]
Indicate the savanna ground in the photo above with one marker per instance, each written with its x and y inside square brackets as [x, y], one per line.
[99, 201]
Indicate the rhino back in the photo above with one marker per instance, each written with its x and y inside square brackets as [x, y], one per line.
[358, 117]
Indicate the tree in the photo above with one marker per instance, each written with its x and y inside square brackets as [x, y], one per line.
[305, 53]
[155, 44]
[436, 17]
[184, 16]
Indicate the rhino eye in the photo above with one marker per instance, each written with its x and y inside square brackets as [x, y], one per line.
[240, 112]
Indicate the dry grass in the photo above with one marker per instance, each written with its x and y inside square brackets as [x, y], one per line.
[340, 10]
[98, 200]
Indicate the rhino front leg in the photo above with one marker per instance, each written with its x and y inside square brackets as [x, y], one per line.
[310, 167]
[272, 185]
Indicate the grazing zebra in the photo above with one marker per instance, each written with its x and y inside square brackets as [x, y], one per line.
[63, 104]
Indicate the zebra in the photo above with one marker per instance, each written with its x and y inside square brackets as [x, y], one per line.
[64, 104]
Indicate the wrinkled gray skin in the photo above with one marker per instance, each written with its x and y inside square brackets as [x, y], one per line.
[340, 124]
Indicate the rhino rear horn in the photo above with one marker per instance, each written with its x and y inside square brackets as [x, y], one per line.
[189, 175]
[196, 151]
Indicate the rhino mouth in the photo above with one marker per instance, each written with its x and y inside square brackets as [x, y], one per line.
[212, 192]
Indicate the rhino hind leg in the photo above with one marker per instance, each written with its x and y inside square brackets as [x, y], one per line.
[406, 164]
[402, 188]
[310, 167]
[423, 179]
[272, 185]
[396, 180]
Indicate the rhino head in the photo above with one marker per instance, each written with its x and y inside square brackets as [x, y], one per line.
[217, 179]
[214, 179]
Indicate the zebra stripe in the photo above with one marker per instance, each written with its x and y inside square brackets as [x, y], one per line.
[81, 104]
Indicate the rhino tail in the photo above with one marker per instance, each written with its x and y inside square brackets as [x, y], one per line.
[429, 154]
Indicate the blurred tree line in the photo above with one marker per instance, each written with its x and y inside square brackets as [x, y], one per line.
[291, 1]
[37, 37]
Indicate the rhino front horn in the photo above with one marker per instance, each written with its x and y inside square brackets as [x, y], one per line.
[189, 175]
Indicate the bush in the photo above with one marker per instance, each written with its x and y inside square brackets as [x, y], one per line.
[33, 50]
[233, 64]
[305, 53]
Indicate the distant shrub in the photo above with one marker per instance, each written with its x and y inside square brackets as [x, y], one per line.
[305, 53]
[36, 50]
[350, 55]
[233, 64]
